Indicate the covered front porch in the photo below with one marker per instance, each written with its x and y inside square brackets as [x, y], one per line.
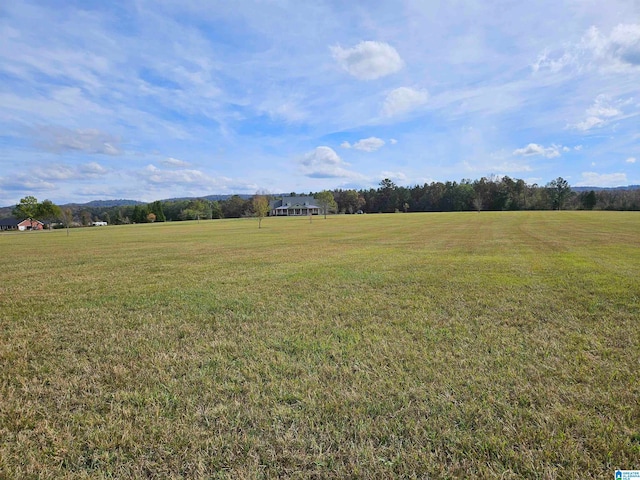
[297, 210]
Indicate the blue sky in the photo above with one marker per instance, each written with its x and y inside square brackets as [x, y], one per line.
[151, 99]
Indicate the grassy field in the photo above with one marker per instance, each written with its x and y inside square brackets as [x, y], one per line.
[493, 345]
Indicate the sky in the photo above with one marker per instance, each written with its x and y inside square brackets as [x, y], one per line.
[155, 99]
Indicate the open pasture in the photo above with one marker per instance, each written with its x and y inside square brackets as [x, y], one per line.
[493, 345]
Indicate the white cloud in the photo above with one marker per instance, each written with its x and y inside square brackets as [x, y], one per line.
[61, 171]
[397, 177]
[370, 144]
[174, 162]
[545, 62]
[504, 166]
[589, 123]
[25, 183]
[245, 187]
[321, 156]
[631, 160]
[324, 162]
[619, 49]
[92, 169]
[56, 171]
[577, 148]
[403, 100]
[593, 179]
[61, 139]
[368, 60]
[603, 110]
[156, 176]
[289, 110]
[535, 149]
[621, 45]
[393, 141]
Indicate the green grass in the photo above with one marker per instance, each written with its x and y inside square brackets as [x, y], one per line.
[492, 345]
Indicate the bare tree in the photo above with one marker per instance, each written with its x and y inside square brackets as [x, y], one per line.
[67, 218]
[260, 207]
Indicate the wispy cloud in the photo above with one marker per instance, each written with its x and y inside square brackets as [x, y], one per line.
[174, 162]
[191, 177]
[535, 149]
[621, 45]
[397, 177]
[92, 170]
[497, 168]
[404, 100]
[25, 182]
[602, 112]
[618, 49]
[370, 144]
[56, 172]
[368, 60]
[590, 179]
[60, 140]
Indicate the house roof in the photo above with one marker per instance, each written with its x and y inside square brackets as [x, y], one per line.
[298, 201]
[14, 222]
[9, 222]
[31, 220]
[287, 207]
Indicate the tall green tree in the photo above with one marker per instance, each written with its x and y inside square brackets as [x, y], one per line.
[326, 200]
[27, 209]
[387, 194]
[352, 201]
[195, 210]
[216, 210]
[49, 211]
[588, 199]
[157, 210]
[559, 190]
[137, 216]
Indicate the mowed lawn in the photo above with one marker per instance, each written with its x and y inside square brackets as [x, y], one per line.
[493, 345]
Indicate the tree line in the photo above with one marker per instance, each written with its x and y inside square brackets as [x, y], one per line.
[492, 194]
[484, 194]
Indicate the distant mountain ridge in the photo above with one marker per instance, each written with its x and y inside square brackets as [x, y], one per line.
[123, 202]
[599, 189]
[212, 198]
[105, 203]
